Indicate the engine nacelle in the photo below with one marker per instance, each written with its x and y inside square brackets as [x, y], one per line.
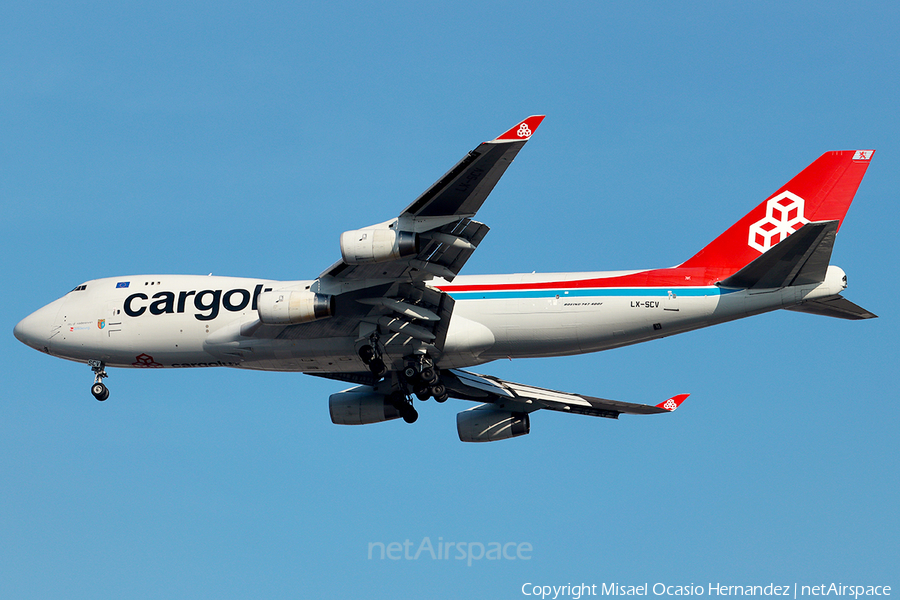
[292, 308]
[377, 245]
[360, 405]
[484, 424]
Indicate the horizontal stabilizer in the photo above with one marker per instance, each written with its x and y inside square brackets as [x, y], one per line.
[801, 259]
[838, 307]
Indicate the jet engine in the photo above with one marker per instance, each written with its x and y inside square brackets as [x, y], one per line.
[360, 406]
[486, 424]
[377, 245]
[292, 308]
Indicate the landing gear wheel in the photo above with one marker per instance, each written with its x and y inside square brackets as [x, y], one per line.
[409, 372]
[399, 401]
[410, 415]
[439, 391]
[378, 368]
[423, 394]
[366, 354]
[100, 391]
[428, 375]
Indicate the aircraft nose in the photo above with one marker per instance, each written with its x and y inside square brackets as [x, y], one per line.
[35, 329]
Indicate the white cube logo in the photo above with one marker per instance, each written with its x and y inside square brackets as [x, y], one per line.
[784, 216]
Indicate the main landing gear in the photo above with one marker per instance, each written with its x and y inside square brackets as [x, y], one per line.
[420, 378]
[398, 399]
[424, 380]
[100, 391]
[372, 360]
[404, 406]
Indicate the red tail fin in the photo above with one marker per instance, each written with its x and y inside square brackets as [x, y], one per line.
[823, 191]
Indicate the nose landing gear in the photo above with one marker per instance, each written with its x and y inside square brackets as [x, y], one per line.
[100, 391]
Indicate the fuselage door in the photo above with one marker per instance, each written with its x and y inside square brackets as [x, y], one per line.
[670, 302]
[112, 323]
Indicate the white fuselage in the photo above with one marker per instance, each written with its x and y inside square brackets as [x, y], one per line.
[184, 321]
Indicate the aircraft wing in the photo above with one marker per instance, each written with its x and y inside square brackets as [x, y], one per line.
[389, 298]
[517, 397]
[442, 215]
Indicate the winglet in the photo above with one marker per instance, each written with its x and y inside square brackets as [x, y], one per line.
[521, 131]
[672, 403]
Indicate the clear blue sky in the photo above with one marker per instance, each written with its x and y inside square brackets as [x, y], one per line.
[242, 139]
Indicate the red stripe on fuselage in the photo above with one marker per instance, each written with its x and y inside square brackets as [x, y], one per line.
[674, 277]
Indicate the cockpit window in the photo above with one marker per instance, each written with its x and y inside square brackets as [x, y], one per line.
[80, 288]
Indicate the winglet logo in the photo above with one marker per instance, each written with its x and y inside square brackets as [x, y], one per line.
[673, 402]
[523, 131]
[784, 216]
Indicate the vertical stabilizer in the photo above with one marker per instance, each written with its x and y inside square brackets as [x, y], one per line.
[823, 191]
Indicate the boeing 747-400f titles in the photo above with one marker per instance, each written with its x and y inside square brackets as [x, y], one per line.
[393, 316]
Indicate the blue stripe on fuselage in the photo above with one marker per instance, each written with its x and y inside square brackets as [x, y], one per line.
[591, 292]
